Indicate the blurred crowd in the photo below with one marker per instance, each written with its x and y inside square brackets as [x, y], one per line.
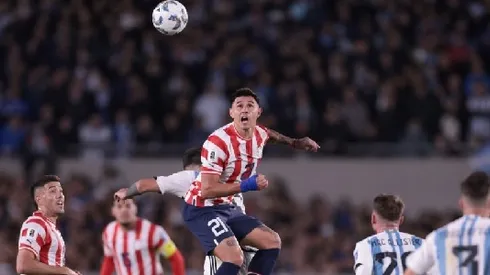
[318, 237]
[89, 72]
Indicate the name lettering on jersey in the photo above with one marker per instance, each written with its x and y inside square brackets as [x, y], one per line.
[397, 242]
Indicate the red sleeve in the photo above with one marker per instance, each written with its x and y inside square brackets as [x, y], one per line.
[178, 263]
[107, 266]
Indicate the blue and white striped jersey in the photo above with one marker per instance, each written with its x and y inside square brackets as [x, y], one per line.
[384, 253]
[462, 247]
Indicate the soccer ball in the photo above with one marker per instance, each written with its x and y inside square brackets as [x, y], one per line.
[170, 17]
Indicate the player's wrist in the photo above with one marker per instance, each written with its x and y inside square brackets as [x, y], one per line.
[294, 143]
[249, 184]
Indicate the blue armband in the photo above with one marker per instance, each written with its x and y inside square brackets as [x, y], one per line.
[249, 184]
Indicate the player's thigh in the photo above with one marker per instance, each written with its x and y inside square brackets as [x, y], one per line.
[250, 231]
[207, 225]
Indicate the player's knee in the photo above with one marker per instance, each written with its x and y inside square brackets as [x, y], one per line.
[275, 240]
[229, 251]
[270, 239]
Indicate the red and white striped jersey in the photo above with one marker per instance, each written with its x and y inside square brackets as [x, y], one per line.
[232, 157]
[135, 252]
[40, 236]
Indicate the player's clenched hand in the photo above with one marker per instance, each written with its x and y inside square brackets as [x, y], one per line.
[120, 194]
[262, 182]
[307, 144]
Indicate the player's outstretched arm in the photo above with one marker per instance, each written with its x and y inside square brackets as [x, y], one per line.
[305, 143]
[136, 189]
[176, 184]
[28, 264]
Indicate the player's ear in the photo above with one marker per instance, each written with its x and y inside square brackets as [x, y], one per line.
[373, 218]
[230, 112]
[38, 195]
[259, 112]
[461, 203]
[402, 219]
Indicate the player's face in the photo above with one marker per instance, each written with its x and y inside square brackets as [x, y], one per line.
[245, 111]
[51, 198]
[124, 211]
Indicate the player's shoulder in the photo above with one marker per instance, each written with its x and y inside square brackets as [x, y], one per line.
[34, 220]
[224, 132]
[148, 225]
[366, 241]
[110, 227]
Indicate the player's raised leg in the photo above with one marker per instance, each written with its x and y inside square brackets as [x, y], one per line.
[208, 224]
[252, 232]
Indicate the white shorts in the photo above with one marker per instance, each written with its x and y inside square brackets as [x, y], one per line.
[212, 263]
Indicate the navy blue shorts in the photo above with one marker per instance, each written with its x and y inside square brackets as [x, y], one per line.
[213, 224]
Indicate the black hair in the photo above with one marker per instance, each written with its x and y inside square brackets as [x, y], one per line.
[192, 156]
[41, 182]
[389, 207]
[476, 187]
[244, 92]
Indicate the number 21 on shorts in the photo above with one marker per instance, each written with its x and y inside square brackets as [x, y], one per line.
[218, 227]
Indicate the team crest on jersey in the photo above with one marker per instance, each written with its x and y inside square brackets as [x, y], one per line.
[32, 233]
[212, 155]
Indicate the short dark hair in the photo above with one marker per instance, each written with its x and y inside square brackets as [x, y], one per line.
[43, 180]
[476, 187]
[244, 92]
[389, 207]
[192, 156]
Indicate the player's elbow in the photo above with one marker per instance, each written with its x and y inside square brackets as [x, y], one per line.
[22, 263]
[207, 192]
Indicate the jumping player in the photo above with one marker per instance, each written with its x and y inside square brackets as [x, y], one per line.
[229, 163]
[133, 246]
[462, 246]
[41, 246]
[385, 252]
[178, 184]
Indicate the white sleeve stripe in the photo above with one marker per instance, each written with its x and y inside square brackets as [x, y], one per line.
[211, 147]
[36, 227]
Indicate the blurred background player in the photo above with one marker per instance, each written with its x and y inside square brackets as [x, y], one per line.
[41, 246]
[229, 161]
[178, 184]
[385, 252]
[462, 246]
[133, 246]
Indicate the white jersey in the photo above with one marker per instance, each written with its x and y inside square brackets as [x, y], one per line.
[384, 253]
[462, 247]
[178, 184]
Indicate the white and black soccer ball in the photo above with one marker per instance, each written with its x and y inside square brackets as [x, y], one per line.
[170, 17]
